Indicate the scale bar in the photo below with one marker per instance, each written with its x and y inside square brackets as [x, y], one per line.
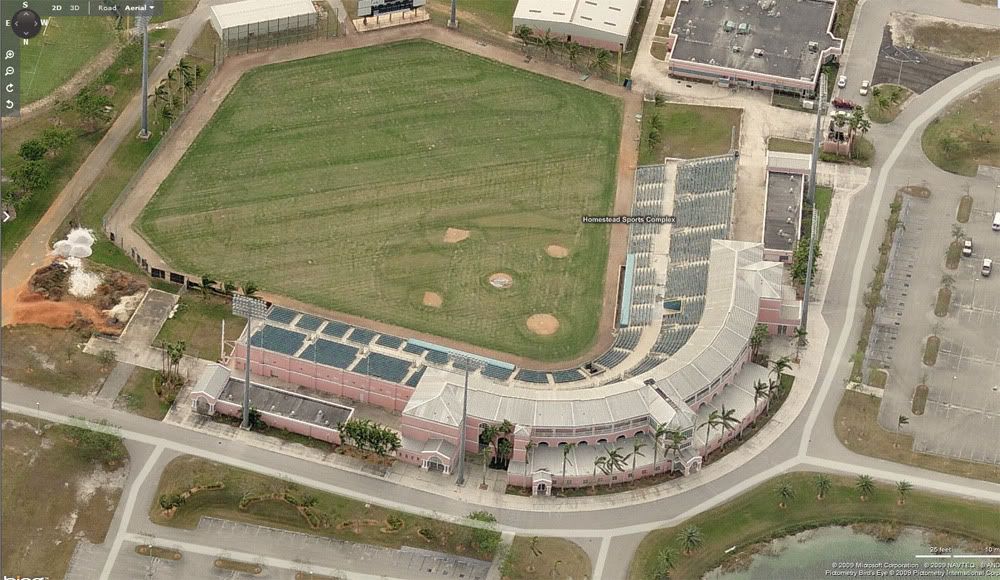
[977, 556]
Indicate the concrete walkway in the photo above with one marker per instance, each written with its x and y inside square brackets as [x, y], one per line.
[115, 382]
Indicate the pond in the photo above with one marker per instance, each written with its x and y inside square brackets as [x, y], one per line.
[842, 552]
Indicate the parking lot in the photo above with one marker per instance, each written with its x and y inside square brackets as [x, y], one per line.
[962, 415]
[915, 70]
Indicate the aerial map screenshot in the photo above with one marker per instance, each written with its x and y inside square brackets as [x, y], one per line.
[499, 289]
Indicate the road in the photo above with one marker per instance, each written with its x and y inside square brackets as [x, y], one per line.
[808, 442]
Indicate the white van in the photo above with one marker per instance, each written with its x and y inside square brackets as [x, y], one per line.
[996, 222]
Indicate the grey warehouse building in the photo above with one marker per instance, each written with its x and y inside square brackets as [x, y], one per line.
[765, 44]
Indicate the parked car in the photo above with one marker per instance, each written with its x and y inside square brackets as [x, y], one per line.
[840, 103]
[987, 267]
[967, 248]
[864, 87]
[842, 81]
[996, 222]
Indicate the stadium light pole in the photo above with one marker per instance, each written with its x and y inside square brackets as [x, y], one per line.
[248, 308]
[453, 21]
[803, 323]
[144, 23]
[461, 433]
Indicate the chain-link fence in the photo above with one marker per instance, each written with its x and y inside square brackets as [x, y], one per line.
[270, 34]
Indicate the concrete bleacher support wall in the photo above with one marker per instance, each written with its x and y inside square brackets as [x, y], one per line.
[278, 422]
[339, 383]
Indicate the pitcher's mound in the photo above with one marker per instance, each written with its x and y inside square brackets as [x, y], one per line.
[455, 235]
[501, 280]
[432, 299]
[543, 324]
[556, 251]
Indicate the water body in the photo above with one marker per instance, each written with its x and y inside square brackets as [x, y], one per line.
[839, 552]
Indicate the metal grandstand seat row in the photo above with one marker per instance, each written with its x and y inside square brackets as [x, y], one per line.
[645, 365]
[627, 338]
[703, 210]
[612, 358]
[690, 313]
[642, 314]
[672, 338]
[706, 175]
[532, 376]
[687, 280]
[643, 294]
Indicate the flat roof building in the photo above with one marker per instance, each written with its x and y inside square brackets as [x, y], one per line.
[600, 23]
[765, 44]
[782, 214]
[240, 20]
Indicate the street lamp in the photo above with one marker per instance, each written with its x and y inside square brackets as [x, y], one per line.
[453, 21]
[144, 23]
[249, 308]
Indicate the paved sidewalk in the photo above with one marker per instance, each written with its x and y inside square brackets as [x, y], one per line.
[115, 382]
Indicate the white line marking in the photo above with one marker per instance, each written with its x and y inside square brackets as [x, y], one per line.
[133, 493]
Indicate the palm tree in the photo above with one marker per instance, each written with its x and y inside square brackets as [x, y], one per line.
[903, 488]
[727, 419]
[573, 49]
[637, 446]
[778, 367]
[529, 451]
[615, 461]
[957, 233]
[786, 492]
[486, 453]
[662, 430]
[548, 43]
[948, 281]
[524, 34]
[757, 339]
[676, 440]
[761, 390]
[666, 559]
[599, 463]
[823, 485]
[903, 420]
[250, 288]
[206, 283]
[601, 62]
[566, 449]
[690, 539]
[865, 486]
[162, 92]
[713, 421]
[800, 340]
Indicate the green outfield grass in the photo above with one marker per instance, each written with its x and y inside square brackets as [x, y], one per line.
[334, 179]
[64, 46]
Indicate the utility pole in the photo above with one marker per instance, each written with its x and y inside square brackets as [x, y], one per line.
[820, 104]
[453, 21]
[461, 433]
[248, 308]
[144, 23]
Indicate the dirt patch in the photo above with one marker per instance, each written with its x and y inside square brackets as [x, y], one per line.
[32, 308]
[557, 251]
[501, 280]
[931, 350]
[964, 209]
[543, 324]
[919, 404]
[455, 235]
[432, 299]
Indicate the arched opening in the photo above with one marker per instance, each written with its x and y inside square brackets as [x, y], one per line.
[562, 444]
[639, 433]
[434, 464]
[620, 438]
[543, 444]
[599, 441]
[484, 439]
[581, 444]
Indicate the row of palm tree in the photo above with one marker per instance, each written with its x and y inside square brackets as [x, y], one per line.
[174, 91]
[210, 284]
[600, 59]
[498, 445]
[857, 122]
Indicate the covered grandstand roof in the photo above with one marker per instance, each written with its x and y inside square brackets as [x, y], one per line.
[253, 11]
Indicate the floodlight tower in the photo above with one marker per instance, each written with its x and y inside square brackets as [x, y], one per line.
[453, 21]
[249, 308]
[812, 200]
[144, 24]
[461, 432]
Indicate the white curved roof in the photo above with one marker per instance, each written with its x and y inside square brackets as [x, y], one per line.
[737, 279]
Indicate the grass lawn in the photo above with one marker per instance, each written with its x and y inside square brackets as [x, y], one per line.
[931, 350]
[532, 557]
[139, 397]
[920, 399]
[956, 40]
[198, 323]
[356, 224]
[175, 9]
[755, 517]
[845, 13]
[886, 102]
[50, 360]
[824, 198]
[347, 519]
[964, 209]
[123, 78]
[789, 146]
[49, 501]
[856, 424]
[943, 302]
[963, 137]
[59, 51]
[688, 131]
[878, 378]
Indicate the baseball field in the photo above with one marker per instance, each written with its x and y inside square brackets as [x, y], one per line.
[411, 184]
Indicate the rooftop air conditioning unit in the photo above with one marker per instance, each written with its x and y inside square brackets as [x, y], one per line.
[737, 48]
[813, 46]
[758, 52]
[788, 220]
